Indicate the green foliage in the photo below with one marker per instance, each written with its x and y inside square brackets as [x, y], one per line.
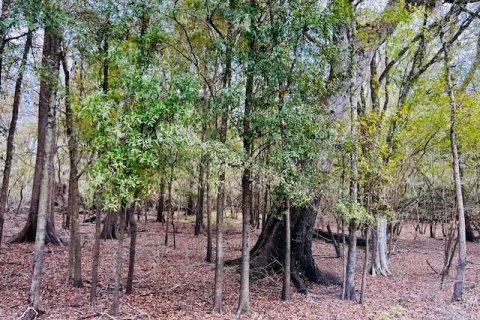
[138, 127]
[350, 211]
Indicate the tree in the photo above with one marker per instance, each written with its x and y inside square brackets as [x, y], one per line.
[247, 135]
[49, 75]
[11, 131]
[41, 224]
[161, 201]
[75, 254]
[462, 245]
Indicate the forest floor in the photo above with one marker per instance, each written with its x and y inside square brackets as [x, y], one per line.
[178, 283]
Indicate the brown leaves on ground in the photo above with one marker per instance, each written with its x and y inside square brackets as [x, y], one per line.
[178, 284]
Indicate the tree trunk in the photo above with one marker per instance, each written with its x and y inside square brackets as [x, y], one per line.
[47, 81]
[51, 174]
[74, 254]
[190, 201]
[96, 252]
[462, 245]
[109, 230]
[161, 202]
[218, 291]
[220, 207]
[41, 225]
[119, 264]
[469, 234]
[201, 192]
[133, 240]
[365, 266]
[11, 133]
[244, 300]
[334, 241]
[349, 277]
[265, 205]
[269, 251]
[351, 262]
[380, 249]
[287, 254]
[209, 218]
[170, 204]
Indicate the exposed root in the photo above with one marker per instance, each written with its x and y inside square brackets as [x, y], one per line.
[27, 234]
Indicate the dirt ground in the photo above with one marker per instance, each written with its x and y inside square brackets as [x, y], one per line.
[178, 284]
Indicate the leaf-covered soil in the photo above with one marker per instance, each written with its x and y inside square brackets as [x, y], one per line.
[178, 284]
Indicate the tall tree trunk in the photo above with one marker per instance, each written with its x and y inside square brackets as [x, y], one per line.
[11, 133]
[244, 300]
[47, 81]
[119, 263]
[349, 281]
[223, 128]
[218, 292]
[462, 244]
[74, 254]
[41, 225]
[133, 241]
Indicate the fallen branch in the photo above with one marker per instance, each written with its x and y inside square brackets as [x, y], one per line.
[327, 237]
[431, 267]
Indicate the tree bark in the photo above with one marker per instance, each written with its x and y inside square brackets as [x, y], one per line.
[161, 202]
[365, 266]
[41, 225]
[119, 264]
[351, 262]
[462, 244]
[380, 249]
[201, 190]
[109, 230]
[223, 128]
[288, 252]
[11, 133]
[349, 277]
[96, 251]
[190, 201]
[209, 218]
[133, 241]
[170, 204]
[47, 80]
[74, 254]
[244, 299]
[51, 174]
[268, 254]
